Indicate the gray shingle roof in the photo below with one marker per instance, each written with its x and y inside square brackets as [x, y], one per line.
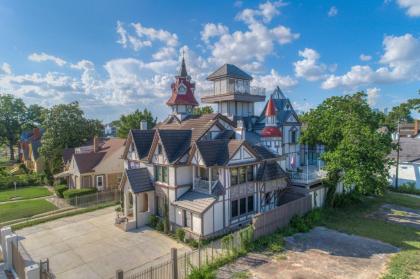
[270, 171]
[195, 201]
[218, 152]
[175, 142]
[409, 150]
[263, 152]
[229, 70]
[140, 180]
[143, 140]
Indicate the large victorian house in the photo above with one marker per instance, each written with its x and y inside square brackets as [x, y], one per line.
[211, 173]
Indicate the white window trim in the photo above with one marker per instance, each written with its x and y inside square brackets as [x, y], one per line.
[102, 181]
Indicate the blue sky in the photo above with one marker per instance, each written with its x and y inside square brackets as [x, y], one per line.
[116, 56]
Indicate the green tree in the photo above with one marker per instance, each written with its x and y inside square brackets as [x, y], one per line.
[400, 113]
[355, 152]
[36, 115]
[202, 110]
[66, 126]
[13, 116]
[132, 121]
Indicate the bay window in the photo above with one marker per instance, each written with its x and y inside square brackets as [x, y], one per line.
[241, 175]
[162, 173]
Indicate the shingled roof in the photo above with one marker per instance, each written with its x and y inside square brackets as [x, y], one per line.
[175, 142]
[139, 180]
[270, 171]
[229, 70]
[143, 141]
[195, 201]
[409, 150]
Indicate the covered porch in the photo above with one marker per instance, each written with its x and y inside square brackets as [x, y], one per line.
[139, 199]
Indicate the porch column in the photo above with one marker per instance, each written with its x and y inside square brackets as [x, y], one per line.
[210, 177]
[126, 193]
[135, 206]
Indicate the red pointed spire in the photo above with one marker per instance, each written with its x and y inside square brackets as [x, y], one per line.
[271, 109]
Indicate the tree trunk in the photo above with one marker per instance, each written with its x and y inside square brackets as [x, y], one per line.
[11, 151]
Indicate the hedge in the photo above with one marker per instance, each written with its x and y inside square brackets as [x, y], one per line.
[7, 181]
[71, 193]
[59, 190]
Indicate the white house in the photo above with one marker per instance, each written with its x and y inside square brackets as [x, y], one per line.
[210, 173]
[409, 163]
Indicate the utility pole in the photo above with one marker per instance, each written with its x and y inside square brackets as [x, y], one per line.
[398, 155]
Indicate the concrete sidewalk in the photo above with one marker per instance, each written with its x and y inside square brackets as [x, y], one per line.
[90, 246]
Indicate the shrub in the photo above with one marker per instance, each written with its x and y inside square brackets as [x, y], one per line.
[408, 188]
[159, 225]
[33, 179]
[59, 190]
[180, 234]
[71, 193]
[298, 223]
[192, 242]
[153, 221]
[205, 272]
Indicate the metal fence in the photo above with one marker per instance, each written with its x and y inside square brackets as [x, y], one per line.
[268, 222]
[90, 200]
[184, 263]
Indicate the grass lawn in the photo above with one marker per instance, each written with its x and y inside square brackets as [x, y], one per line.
[22, 209]
[24, 193]
[355, 220]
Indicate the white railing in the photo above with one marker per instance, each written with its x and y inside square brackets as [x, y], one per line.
[253, 90]
[306, 176]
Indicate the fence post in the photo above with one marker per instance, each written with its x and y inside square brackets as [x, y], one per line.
[174, 260]
[119, 274]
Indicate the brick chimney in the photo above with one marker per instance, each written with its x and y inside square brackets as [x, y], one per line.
[143, 125]
[95, 144]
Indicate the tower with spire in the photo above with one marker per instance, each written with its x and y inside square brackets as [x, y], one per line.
[271, 135]
[182, 100]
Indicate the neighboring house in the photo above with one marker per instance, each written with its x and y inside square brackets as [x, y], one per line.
[98, 165]
[209, 173]
[110, 131]
[410, 130]
[409, 166]
[29, 145]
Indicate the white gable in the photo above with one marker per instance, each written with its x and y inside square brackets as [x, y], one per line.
[197, 159]
[291, 119]
[159, 158]
[242, 155]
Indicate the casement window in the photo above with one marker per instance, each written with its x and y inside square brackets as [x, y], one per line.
[162, 173]
[242, 206]
[293, 136]
[241, 175]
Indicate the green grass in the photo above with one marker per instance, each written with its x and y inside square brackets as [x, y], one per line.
[24, 193]
[23, 209]
[355, 219]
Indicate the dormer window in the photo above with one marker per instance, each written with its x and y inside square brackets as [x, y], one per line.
[182, 89]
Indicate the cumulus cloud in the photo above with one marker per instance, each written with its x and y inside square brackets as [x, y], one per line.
[372, 95]
[248, 48]
[6, 68]
[309, 68]
[333, 11]
[399, 61]
[213, 30]
[273, 80]
[365, 57]
[43, 57]
[412, 7]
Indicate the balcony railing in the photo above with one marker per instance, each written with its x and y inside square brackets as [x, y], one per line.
[253, 90]
[307, 175]
[204, 186]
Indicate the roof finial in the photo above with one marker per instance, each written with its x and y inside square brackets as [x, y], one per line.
[183, 71]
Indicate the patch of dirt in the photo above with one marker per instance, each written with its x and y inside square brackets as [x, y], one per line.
[320, 253]
[399, 215]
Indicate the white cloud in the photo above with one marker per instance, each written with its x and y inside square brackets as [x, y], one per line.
[309, 68]
[42, 57]
[400, 61]
[249, 48]
[6, 68]
[365, 57]
[273, 80]
[213, 30]
[372, 95]
[412, 7]
[332, 11]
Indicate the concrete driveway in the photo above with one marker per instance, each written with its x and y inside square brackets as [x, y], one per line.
[90, 246]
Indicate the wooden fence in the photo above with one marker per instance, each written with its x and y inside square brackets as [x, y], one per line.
[268, 222]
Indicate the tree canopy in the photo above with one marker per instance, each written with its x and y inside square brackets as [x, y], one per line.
[132, 121]
[355, 152]
[66, 126]
[202, 110]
